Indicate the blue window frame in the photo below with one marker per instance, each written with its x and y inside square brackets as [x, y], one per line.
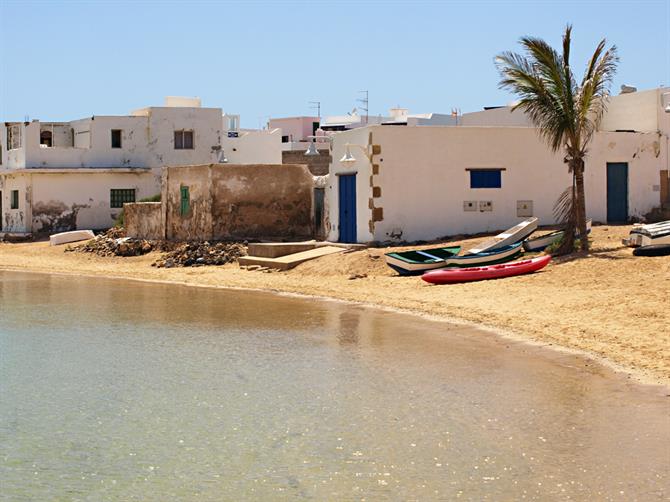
[485, 178]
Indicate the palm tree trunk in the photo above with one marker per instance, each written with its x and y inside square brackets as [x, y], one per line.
[580, 206]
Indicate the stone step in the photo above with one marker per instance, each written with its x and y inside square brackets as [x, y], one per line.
[277, 249]
[289, 261]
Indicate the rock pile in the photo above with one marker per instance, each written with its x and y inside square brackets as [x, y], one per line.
[197, 254]
[114, 243]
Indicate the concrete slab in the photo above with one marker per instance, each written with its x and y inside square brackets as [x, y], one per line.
[277, 249]
[290, 261]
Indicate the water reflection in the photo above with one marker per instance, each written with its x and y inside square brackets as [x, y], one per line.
[124, 391]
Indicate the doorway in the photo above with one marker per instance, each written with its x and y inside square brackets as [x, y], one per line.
[617, 192]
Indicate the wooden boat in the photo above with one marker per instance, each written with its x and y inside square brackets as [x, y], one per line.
[541, 243]
[446, 276]
[515, 234]
[653, 250]
[648, 235]
[67, 237]
[487, 258]
[417, 261]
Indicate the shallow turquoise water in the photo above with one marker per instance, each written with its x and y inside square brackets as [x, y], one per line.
[114, 390]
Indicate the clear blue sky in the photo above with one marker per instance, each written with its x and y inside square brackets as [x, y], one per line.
[66, 60]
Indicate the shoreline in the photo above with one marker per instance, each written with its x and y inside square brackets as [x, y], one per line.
[646, 364]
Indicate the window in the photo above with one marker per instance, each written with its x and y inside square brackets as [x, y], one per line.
[485, 178]
[116, 138]
[185, 206]
[46, 138]
[284, 139]
[119, 196]
[14, 203]
[183, 140]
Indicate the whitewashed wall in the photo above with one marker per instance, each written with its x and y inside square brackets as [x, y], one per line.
[424, 182]
[254, 147]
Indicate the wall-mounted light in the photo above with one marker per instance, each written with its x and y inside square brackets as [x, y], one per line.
[348, 157]
[311, 149]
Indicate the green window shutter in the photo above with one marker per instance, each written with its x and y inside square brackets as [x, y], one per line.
[185, 201]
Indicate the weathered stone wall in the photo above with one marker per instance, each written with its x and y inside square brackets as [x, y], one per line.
[196, 223]
[143, 220]
[317, 164]
[234, 202]
[261, 201]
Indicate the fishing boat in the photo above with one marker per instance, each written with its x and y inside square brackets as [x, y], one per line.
[541, 243]
[648, 235]
[67, 237]
[501, 255]
[513, 235]
[417, 261]
[451, 275]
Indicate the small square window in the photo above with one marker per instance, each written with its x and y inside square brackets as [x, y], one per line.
[119, 196]
[14, 203]
[183, 140]
[485, 178]
[116, 138]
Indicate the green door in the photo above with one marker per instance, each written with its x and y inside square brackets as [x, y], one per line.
[617, 192]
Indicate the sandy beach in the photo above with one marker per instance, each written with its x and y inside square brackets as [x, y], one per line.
[610, 305]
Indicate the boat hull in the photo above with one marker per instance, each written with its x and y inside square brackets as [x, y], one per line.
[653, 250]
[511, 236]
[404, 264]
[449, 276]
[73, 236]
[541, 243]
[649, 235]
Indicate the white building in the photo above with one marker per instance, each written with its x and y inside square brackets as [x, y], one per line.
[63, 175]
[421, 183]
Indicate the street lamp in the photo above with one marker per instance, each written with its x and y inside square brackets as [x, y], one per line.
[311, 149]
[348, 157]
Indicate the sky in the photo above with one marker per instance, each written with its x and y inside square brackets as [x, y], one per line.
[63, 60]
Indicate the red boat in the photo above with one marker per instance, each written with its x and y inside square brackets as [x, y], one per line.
[448, 275]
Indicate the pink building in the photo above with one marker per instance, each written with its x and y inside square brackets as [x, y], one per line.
[295, 129]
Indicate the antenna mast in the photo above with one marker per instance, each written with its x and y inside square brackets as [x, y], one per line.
[365, 106]
[317, 105]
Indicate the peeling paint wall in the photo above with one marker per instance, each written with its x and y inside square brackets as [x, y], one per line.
[144, 220]
[59, 201]
[196, 223]
[239, 201]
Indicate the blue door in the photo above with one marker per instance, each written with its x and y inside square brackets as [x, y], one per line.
[617, 192]
[347, 208]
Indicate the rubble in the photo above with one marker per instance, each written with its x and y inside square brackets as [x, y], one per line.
[197, 254]
[189, 254]
[114, 243]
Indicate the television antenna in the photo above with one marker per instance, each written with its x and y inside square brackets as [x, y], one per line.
[316, 105]
[365, 104]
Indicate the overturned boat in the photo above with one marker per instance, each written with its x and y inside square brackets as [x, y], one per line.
[649, 235]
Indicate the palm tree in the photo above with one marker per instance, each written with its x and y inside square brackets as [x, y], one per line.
[566, 113]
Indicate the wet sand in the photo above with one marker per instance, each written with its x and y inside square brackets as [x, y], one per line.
[610, 305]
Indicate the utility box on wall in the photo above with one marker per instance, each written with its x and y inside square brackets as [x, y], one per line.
[485, 205]
[524, 208]
[469, 205]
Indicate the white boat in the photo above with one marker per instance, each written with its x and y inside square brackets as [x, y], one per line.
[511, 236]
[73, 236]
[540, 243]
[648, 235]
